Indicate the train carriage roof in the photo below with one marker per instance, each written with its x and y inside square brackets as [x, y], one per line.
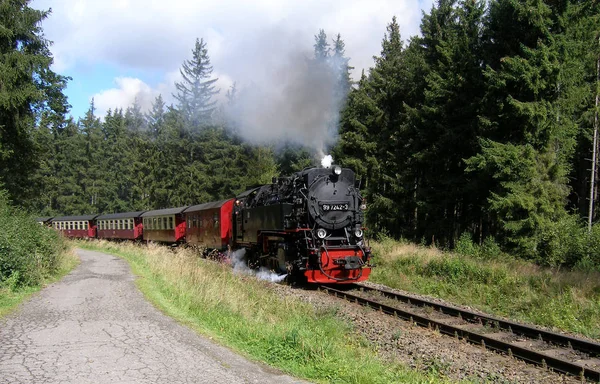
[164, 212]
[75, 218]
[124, 215]
[211, 205]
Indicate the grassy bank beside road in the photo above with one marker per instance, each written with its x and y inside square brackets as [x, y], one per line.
[244, 313]
[566, 300]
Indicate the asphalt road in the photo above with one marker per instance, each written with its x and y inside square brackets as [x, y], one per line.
[94, 326]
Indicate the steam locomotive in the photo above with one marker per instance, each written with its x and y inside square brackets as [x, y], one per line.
[308, 226]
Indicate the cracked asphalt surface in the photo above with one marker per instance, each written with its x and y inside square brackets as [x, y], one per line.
[94, 326]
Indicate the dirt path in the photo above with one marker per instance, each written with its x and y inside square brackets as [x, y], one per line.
[96, 327]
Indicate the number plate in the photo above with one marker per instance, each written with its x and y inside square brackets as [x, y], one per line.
[327, 207]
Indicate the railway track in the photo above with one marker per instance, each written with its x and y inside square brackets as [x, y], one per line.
[559, 352]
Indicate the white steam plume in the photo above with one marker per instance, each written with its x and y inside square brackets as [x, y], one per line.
[290, 97]
[239, 266]
[326, 161]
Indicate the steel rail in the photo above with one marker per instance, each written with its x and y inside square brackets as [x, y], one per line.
[528, 355]
[590, 347]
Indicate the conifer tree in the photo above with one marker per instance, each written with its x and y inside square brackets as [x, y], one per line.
[321, 46]
[29, 88]
[529, 136]
[196, 91]
[94, 180]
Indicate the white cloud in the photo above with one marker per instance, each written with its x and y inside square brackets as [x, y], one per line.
[158, 35]
[127, 90]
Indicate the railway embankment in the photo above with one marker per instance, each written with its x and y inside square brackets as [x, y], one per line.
[30, 256]
[493, 282]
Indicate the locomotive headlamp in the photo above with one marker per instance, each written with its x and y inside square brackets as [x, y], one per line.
[321, 233]
[358, 233]
[337, 170]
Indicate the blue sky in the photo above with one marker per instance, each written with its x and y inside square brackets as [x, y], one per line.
[119, 50]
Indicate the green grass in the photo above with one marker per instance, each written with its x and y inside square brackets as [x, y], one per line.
[566, 300]
[248, 316]
[13, 294]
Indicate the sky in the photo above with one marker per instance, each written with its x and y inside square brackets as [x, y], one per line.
[118, 50]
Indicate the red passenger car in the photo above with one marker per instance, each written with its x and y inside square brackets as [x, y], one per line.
[120, 226]
[209, 225]
[164, 225]
[81, 227]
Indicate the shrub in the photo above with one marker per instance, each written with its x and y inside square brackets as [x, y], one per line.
[465, 245]
[28, 251]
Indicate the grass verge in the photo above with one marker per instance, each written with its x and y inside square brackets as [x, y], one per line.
[247, 315]
[566, 300]
[13, 294]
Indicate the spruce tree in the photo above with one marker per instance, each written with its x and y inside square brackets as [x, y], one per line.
[196, 91]
[528, 135]
[29, 88]
[321, 46]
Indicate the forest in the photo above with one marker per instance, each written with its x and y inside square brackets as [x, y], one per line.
[482, 128]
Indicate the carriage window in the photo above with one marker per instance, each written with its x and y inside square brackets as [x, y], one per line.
[164, 223]
[195, 221]
[171, 226]
[86, 225]
[154, 223]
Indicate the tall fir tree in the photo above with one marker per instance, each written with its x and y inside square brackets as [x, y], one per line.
[528, 136]
[195, 93]
[29, 89]
[321, 46]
